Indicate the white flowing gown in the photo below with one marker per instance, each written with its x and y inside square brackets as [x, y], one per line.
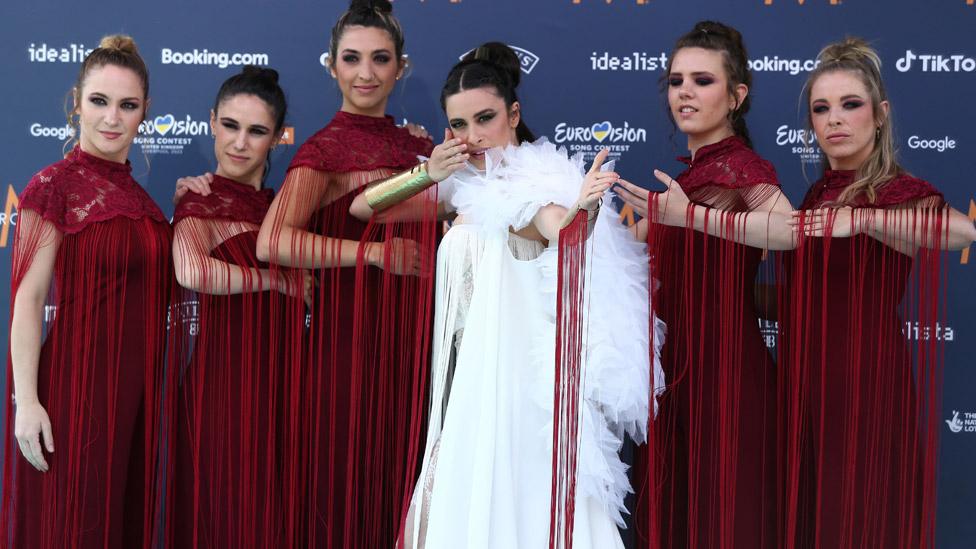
[487, 469]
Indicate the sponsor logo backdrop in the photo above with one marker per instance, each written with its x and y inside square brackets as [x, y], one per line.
[592, 78]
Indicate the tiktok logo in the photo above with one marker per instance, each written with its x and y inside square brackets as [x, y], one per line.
[936, 63]
[955, 424]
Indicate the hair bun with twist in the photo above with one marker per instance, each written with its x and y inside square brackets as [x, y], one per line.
[851, 50]
[379, 6]
[120, 42]
[501, 55]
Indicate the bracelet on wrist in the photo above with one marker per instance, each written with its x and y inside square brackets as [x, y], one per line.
[395, 189]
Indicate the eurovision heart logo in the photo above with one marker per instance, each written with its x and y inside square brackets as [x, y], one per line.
[163, 123]
[600, 131]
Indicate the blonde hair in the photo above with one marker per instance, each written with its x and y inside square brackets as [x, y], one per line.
[115, 49]
[855, 56]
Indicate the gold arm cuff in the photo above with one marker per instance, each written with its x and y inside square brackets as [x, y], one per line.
[397, 188]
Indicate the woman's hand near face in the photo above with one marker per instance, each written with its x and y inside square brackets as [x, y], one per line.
[447, 158]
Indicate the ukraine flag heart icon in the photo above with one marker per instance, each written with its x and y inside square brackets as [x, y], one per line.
[163, 123]
[601, 131]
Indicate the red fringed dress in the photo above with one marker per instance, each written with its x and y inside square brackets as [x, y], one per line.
[101, 362]
[861, 390]
[228, 412]
[715, 435]
[355, 399]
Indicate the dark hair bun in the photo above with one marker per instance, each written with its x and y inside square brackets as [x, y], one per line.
[499, 54]
[254, 71]
[720, 30]
[379, 6]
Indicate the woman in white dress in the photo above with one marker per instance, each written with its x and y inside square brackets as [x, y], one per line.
[487, 475]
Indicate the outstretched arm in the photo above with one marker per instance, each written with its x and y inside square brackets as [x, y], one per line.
[766, 226]
[284, 239]
[447, 158]
[905, 229]
[193, 241]
[549, 220]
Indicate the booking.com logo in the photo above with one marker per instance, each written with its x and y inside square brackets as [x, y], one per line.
[207, 57]
[935, 63]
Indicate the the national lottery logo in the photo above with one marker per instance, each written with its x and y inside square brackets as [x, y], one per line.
[962, 422]
[929, 62]
[938, 144]
[600, 135]
[527, 59]
[801, 142]
[167, 134]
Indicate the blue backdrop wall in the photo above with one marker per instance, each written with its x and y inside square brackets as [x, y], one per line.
[592, 71]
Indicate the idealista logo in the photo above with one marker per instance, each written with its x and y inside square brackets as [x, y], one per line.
[600, 135]
[935, 63]
[527, 59]
[914, 331]
[220, 59]
[72, 53]
[166, 134]
[941, 144]
[635, 61]
[802, 142]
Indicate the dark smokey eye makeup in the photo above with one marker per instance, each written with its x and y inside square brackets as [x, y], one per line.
[852, 104]
[130, 106]
[675, 82]
[457, 124]
[704, 81]
[229, 124]
[382, 59]
[350, 58]
[486, 117]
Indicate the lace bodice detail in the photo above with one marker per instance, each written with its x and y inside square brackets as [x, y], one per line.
[228, 201]
[353, 142]
[83, 189]
[728, 175]
[903, 190]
